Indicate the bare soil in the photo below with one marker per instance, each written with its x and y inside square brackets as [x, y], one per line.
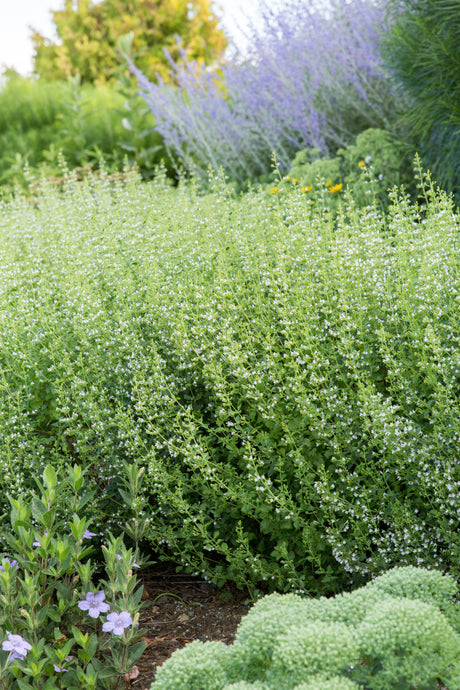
[179, 609]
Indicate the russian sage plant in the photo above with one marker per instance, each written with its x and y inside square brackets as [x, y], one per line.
[310, 79]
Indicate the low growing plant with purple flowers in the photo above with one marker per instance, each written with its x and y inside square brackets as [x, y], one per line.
[310, 79]
[58, 629]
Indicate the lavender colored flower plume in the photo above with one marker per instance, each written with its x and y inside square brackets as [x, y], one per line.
[310, 79]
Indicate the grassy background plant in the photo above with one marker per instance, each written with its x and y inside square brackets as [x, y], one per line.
[40, 120]
[421, 50]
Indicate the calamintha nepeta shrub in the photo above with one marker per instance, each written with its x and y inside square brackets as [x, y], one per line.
[60, 627]
[392, 640]
[288, 380]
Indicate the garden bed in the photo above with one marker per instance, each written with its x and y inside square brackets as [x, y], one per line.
[179, 609]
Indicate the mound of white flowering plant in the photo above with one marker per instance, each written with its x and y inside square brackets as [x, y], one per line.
[398, 631]
[289, 380]
[60, 625]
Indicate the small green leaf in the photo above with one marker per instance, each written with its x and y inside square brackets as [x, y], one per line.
[50, 477]
[135, 652]
[39, 509]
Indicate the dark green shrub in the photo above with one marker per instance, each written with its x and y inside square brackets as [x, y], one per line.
[421, 49]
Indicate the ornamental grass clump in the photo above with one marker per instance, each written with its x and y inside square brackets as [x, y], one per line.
[63, 624]
[397, 641]
[421, 52]
[310, 78]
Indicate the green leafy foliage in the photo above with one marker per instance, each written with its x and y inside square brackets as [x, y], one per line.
[39, 121]
[389, 641]
[374, 164]
[421, 50]
[88, 33]
[51, 637]
[200, 666]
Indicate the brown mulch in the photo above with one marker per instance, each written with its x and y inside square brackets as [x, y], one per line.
[179, 609]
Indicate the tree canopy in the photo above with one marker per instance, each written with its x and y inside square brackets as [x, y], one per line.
[88, 31]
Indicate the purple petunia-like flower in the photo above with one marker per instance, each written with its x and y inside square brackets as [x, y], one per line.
[88, 534]
[94, 603]
[12, 564]
[117, 622]
[16, 645]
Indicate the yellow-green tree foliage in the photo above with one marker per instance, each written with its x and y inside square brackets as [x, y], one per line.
[88, 32]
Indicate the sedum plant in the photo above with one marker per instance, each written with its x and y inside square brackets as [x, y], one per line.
[63, 624]
[392, 640]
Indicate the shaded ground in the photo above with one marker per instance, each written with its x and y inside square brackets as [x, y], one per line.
[180, 609]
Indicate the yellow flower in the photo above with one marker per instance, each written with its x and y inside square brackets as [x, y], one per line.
[274, 190]
[286, 178]
[329, 183]
[362, 164]
[336, 188]
[307, 188]
[295, 180]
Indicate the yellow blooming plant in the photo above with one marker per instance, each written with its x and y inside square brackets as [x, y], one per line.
[335, 188]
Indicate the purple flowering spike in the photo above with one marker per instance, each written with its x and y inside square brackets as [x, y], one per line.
[117, 622]
[16, 645]
[94, 603]
[303, 69]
